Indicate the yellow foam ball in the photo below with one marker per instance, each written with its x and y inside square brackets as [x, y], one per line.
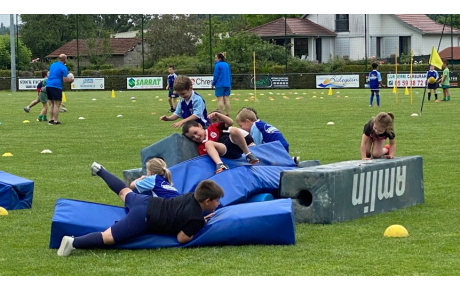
[396, 230]
[3, 211]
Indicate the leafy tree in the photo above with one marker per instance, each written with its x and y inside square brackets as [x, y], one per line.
[24, 54]
[171, 34]
[44, 33]
[446, 18]
[116, 23]
[99, 50]
[4, 29]
[239, 51]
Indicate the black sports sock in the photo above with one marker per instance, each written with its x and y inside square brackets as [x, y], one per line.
[114, 183]
[88, 241]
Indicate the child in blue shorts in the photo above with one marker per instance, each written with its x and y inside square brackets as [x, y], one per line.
[172, 96]
[181, 216]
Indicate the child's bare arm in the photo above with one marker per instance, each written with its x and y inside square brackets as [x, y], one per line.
[172, 117]
[364, 145]
[392, 149]
[183, 238]
[224, 118]
[133, 183]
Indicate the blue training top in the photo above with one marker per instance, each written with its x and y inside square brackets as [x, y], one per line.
[57, 71]
[263, 132]
[171, 78]
[194, 106]
[433, 74]
[222, 75]
[157, 186]
[374, 79]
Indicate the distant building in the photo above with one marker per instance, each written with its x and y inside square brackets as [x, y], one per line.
[320, 37]
[126, 51]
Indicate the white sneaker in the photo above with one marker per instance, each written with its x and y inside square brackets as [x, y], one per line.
[27, 109]
[296, 160]
[66, 246]
[95, 167]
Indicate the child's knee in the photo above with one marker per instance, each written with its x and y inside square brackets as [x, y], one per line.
[234, 131]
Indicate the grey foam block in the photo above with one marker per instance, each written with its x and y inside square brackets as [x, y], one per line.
[173, 149]
[353, 189]
[131, 175]
[310, 163]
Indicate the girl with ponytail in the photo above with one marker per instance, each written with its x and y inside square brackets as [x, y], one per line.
[157, 182]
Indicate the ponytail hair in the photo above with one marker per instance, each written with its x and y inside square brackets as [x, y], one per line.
[386, 120]
[221, 56]
[157, 166]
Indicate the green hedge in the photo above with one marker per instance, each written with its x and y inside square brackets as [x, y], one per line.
[301, 74]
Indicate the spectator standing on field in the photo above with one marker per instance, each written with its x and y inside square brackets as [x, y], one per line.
[222, 82]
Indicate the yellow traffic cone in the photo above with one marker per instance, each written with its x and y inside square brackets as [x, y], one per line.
[406, 92]
[113, 93]
[330, 91]
[63, 97]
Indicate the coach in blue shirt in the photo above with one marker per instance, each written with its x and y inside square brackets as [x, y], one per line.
[57, 75]
[222, 81]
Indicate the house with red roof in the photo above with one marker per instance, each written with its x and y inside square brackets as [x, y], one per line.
[320, 37]
[124, 51]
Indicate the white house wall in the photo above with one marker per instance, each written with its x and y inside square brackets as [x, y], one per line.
[385, 26]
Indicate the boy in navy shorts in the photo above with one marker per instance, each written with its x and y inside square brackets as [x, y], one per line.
[181, 216]
[432, 73]
[172, 96]
[220, 139]
[375, 80]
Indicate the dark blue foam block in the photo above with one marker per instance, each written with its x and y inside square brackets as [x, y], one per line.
[15, 192]
[241, 183]
[260, 198]
[270, 222]
[188, 174]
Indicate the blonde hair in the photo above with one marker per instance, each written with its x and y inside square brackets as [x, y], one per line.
[246, 114]
[385, 120]
[157, 166]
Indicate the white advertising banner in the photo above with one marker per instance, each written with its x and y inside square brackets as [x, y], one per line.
[144, 83]
[201, 82]
[28, 84]
[337, 81]
[404, 80]
[88, 84]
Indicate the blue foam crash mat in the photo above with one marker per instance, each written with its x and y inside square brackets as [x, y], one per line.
[270, 222]
[241, 183]
[188, 174]
[15, 192]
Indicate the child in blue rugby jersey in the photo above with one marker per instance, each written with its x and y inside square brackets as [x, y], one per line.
[157, 182]
[191, 105]
[172, 96]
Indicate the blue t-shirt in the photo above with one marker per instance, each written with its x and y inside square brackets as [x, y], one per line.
[57, 71]
[433, 74]
[374, 79]
[194, 106]
[222, 75]
[157, 186]
[171, 78]
[263, 132]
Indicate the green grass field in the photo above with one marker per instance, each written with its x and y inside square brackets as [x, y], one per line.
[351, 248]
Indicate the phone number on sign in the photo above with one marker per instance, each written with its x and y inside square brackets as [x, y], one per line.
[407, 83]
